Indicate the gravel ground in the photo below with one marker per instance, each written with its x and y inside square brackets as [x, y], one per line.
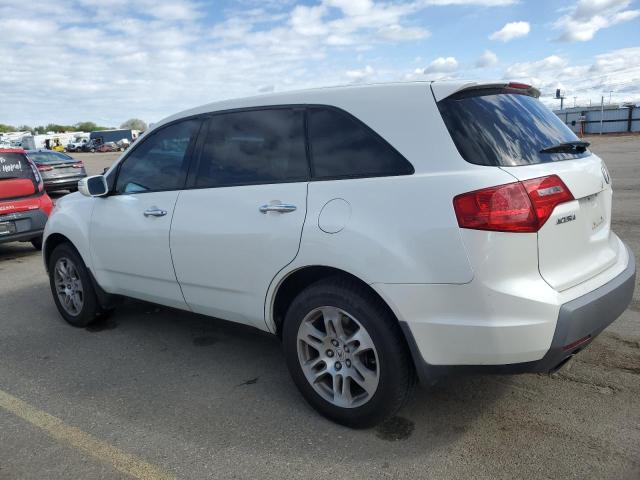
[189, 397]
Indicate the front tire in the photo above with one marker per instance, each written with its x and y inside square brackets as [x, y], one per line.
[71, 286]
[346, 353]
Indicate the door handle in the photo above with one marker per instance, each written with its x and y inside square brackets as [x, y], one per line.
[154, 212]
[279, 207]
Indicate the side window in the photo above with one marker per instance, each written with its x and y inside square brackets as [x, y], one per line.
[253, 147]
[160, 162]
[342, 146]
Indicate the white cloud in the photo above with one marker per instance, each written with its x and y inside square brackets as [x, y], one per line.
[617, 70]
[362, 75]
[352, 7]
[587, 17]
[398, 33]
[308, 20]
[442, 65]
[487, 59]
[510, 31]
[80, 62]
[483, 3]
[529, 70]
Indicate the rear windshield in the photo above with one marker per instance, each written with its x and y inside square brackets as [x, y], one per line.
[505, 129]
[49, 157]
[15, 165]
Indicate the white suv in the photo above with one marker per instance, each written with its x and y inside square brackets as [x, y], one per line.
[380, 231]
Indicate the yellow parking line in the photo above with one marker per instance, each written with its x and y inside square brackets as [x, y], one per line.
[124, 462]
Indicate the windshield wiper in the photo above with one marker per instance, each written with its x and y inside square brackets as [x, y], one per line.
[567, 147]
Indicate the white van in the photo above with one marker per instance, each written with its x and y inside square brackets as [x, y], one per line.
[381, 231]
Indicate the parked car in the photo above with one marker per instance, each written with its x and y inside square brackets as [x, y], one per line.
[59, 171]
[24, 203]
[77, 144]
[108, 147]
[379, 231]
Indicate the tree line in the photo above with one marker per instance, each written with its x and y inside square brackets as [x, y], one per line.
[133, 123]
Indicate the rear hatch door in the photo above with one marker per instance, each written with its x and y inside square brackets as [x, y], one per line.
[18, 177]
[507, 127]
[575, 243]
[61, 170]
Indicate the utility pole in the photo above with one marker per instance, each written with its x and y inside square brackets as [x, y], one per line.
[610, 92]
[601, 112]
[574, 102]
[560, 97]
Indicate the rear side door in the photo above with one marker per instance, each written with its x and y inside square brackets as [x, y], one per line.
[241, 220]
[130, 227]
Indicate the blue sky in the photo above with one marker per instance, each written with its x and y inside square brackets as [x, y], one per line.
[109, 60]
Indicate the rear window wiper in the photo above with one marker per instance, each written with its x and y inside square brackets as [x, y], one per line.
[567, 147]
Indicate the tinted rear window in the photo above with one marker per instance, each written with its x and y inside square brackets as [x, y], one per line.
[14, 165]
[50, 157]
[504, 129]
[344, 147]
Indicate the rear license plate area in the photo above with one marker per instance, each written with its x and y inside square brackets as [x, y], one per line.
[593, 206]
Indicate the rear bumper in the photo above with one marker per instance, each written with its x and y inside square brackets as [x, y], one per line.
[28, 225]
[582, 319]
[62, 183]
[507, 335]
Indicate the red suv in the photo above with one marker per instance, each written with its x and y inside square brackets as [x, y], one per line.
[24, 204]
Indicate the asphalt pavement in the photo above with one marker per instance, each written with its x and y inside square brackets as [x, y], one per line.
[159, 393]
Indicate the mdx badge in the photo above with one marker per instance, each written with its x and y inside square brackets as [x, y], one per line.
[566, 218]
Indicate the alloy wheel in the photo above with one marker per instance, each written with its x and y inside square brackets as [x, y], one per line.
[338, 357]
[68, 286]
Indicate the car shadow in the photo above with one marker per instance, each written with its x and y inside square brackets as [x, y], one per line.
[145, 362]
[441, 412]
[16, 251]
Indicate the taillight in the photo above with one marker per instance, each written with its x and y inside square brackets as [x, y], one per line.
[518, 86]
[545, 194]
[515, 207]
[78, 165]
[44, 168]
[46, 204]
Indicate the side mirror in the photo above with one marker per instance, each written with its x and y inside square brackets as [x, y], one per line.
[95, 186]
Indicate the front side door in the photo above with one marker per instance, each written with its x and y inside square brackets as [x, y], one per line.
[130, 227]
[241, 220]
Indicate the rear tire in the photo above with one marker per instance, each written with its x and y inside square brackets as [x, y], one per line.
[359, 373]
[72, 288]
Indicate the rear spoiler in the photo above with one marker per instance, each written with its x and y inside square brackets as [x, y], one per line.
[444, 90]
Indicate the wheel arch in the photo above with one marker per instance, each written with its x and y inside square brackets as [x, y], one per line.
[299, 279]
[51, 242]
